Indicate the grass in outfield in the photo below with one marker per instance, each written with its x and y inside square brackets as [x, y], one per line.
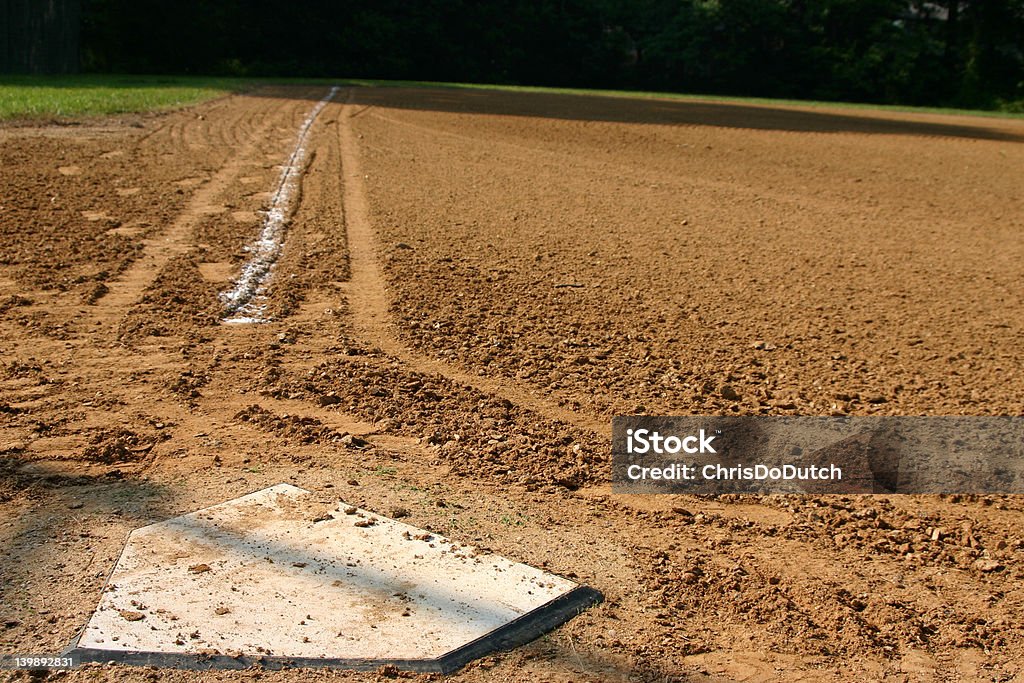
[47, 97]
[28, 97]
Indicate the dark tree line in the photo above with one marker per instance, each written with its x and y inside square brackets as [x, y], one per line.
[945, 52]
[39, 36]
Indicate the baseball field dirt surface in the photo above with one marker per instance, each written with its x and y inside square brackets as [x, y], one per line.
[469, 286]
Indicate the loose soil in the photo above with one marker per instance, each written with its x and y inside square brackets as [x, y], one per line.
[473, 283]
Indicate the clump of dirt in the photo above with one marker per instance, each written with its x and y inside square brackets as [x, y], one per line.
[9, 486]
[306, 430]
[188, 383]
[110, 446]
[13, 301]
[8, 409]
[18, 369]
[94, 293]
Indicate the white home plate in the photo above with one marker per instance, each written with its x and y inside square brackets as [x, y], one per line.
[280, 579]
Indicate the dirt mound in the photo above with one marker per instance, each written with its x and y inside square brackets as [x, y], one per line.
[472, 432]
[117, 446]
[303, 429]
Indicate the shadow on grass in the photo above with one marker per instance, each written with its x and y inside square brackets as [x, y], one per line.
[668, 112]
[651, 111]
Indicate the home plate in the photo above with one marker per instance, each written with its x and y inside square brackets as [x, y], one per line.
[280, 579]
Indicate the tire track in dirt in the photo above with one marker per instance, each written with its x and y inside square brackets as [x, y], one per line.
[368, 301]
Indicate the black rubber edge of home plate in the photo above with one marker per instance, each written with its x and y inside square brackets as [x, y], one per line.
[520, 631]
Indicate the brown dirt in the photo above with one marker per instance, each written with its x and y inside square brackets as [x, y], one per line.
[472, 285]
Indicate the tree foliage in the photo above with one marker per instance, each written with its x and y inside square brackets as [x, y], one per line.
[946, 52]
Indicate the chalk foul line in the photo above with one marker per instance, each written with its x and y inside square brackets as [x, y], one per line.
[245, 302]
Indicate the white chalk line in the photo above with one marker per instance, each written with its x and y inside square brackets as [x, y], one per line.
[245, 302]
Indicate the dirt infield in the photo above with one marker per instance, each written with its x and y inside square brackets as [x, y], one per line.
[472, 284]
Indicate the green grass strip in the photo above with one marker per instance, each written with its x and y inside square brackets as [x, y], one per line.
[47, 97]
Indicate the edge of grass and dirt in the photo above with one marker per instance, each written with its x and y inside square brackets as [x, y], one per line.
[93, 95]
[96, 95]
